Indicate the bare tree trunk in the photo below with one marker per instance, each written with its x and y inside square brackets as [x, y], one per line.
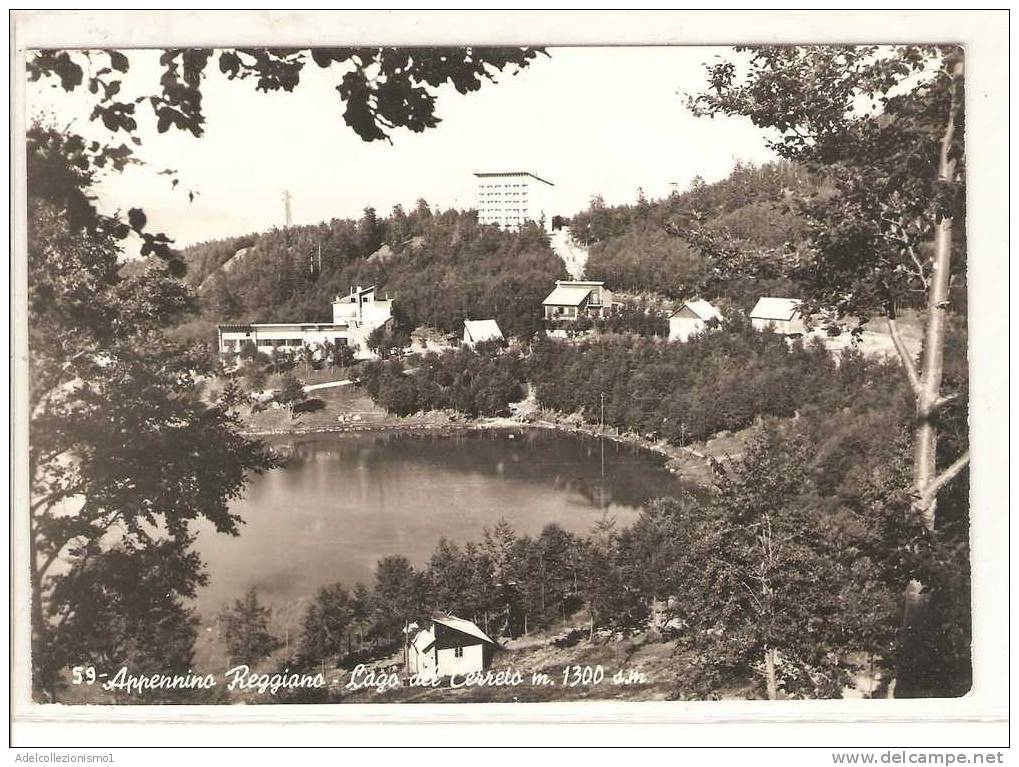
[926, 385]
[929, 397]
[928, 388]
[39, 625]
[769, 673]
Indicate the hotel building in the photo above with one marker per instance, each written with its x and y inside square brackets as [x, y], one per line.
[509, 199]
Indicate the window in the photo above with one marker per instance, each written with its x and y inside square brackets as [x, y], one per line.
[458, 652]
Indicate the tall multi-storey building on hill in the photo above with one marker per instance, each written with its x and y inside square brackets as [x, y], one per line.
[509, 199]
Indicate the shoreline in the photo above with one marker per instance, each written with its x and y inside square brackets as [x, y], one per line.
[686, 461]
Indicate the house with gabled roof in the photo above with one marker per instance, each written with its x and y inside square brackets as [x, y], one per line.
[447, 645]
[781, 315]
[477, 331]
[572, 299]
[692, 317]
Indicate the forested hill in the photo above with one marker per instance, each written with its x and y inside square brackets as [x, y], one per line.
[442, 267]
[632, 250]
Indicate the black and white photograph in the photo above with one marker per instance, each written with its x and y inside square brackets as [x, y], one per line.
[367, 374]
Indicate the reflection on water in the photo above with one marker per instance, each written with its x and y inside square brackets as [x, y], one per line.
[344, 501]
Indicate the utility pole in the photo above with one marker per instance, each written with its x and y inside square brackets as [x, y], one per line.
[315, 265]
[406, 645]
[601, 438]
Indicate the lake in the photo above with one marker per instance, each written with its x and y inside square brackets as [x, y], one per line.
[344, 501]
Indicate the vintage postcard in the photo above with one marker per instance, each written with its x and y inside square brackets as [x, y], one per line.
[452, 371]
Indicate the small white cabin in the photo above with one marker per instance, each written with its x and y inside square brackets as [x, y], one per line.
[448, 645]
[692, 317]
[780, 314]
[476, 331]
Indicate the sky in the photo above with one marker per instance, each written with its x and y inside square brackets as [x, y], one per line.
[590, 120]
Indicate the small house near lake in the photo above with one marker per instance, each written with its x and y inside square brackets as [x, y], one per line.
[477, 331]
[692, 317]
[572, 299]
[448, 645]
[779, 314]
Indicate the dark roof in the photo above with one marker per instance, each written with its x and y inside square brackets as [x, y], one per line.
[512, 173]
[462, 626]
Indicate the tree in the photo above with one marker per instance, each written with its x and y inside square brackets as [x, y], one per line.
[553, 574]
[650, 546]
[137, 612]
[337, 354]
[447, 577]
[479, 595]
[779, 583]
[255, 374]
[643, 207]
[612, 602]
[370, 231]
[500, 546]
[398, 596]
[885, 129]
[281, 360]
[327, 625]
[291, 394]
[105, 378]
[421, 210]
[307, 353]
[385, 338]
[245, 630]
[361, 609]
[341, 355]
[396, 226]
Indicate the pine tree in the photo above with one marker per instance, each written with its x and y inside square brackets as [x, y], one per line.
[245, 630]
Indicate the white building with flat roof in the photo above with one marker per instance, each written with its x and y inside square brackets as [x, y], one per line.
[360, 308]
[355, 316]
[509, 199]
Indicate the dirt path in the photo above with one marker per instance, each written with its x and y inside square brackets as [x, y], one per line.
[572, 254]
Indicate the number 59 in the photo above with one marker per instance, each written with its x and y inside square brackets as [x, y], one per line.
[83, 675]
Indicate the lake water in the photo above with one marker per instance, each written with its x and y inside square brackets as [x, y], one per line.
[344, 501]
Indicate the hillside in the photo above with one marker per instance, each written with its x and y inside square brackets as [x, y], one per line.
[443, 267]
[632, 249]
